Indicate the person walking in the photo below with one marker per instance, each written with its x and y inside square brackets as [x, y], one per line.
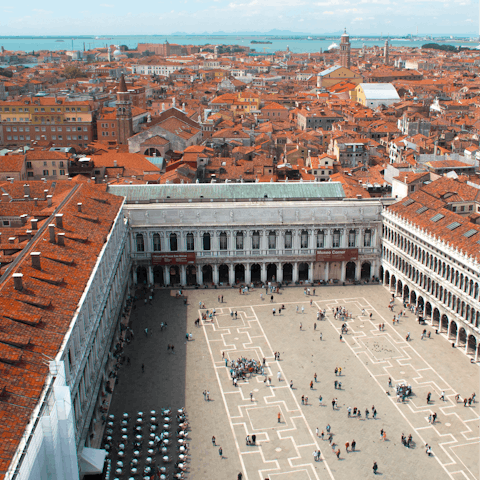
[279, 376]
[354, 443]
[251, 396]
[146, 332]
[316, 431]
[375, 468]
[320, 400]
[337, 453]
[220, 452]
[315, 377]
[311, 385]
[213, 441]
[384, 436]
[279, 417]
[321, 336]
[291, 384]
[346, 446]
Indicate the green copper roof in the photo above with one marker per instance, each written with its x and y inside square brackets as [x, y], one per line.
[198, 192]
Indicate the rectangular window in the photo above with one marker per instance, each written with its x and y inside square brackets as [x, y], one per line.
[45, 172]
[239, 241]
[320, 239]
[223, 241]
[336, 239]
[288, 240]
[62, 172]
[59, 129]
[272, 241]
[367, 242]
[54, 172]
[351, 238]
[256, 241]
[29, 174]
[190, 242]
[60, 137]
[53, 129]
[69, 137]
[54, 137]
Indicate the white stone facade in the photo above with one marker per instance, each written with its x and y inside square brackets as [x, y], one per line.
[244, 242]
[435, 277]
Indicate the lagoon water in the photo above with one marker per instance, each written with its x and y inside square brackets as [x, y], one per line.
[279, 43]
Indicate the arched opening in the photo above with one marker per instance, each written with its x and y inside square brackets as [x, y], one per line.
[413, 298]
[303, 271]
[472, 345]
[191, 275]
[207, 274]
[462, 338]
[387, 277]
[271, 272]
[428, 310]
[223, 273]
[350, 271]
[453, 330]
[420, 305]
[152, 152]
[256, 272]
[436, 317]
[393, 283]
[142, 277]
[381, 273]
[174, 275]
[158, 275]
[365, 271]
[287, 272]
[239, 273]
[406, 293]
[444, 324]
[399, 289]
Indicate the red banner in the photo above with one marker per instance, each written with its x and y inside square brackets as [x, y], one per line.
[337, 255]
[185, 258]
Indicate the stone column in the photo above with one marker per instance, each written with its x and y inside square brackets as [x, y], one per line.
[358, 270]
[295, 272]
[150, 275]
[476, 353]
[167, 275]
[342, 271]
[263, 275]
[215, 274]
[327, 271]
[310, 272]
[466, 340]
[312, 241]
[279, 272]
[248, 273]
[231, 274]
[458, 335]
[183, 275]
[135, 278]
[198, 273]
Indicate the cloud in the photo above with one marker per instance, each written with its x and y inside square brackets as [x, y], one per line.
[358, 19]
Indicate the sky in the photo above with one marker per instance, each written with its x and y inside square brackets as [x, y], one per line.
[162, 17]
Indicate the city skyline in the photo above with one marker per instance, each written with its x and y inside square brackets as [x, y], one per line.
[367, 17]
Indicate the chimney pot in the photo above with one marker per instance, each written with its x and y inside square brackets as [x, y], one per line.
[61, 239]
[34, 222]
[35, 256]
[51, 229]
[29, 234]
[36, 202]
[18, 281]
[23, 219]
[59, 219]
[11, 240]
[79, 206]
[26, 189]
[49, 200]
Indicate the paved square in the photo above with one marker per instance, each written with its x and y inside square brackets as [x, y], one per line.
[367, 356]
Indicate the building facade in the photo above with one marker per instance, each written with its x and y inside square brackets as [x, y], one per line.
[221, 234]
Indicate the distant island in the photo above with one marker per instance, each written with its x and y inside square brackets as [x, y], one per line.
[260, 41]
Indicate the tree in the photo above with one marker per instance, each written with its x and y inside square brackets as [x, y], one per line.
[70, 71]
[123, 48]
[6, 73]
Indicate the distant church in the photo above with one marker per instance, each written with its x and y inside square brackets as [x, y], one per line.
[340, 73]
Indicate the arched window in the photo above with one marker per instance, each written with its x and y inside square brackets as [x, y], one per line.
[140, 243]
[157, 246]
[288, 240]
[190, 242]
[256, 241]
[336, 239]
[272, 240]
[173, 242]
[304, 239]
[239, 241]
[367, 238]
[352, 238]
[206, 241]
[223, 241]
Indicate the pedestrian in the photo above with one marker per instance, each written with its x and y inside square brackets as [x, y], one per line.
[349, 411]
[328, 428]
[336, 370]
[338, 453]
[442, 396]
[303, 309]
[315, 377]
[291, 384]
[434, 417]
[172, 347]
[254, 439]
[384, 436]
[367, 413]
[354, 443]
[375, 468]
[208, 396]
[465, 400]
[205, 395]
[319, 400]
[279, 376]
[303, 399]
[251, 396]
[300, 325]
[314, 326]
[273, 311]
[316, 431]
[321, 336]
[240, 476]
[279, 417]
[306, 400]
[213, 441]
[311, 302]
[143, 368]
[311, 385]
[146, 332]
[346, 446]
[220, 452]
[335, 383]
[428, 397]
[333, 404]
[389, 382]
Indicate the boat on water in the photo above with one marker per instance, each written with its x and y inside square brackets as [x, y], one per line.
[260, 42]
[59, 40]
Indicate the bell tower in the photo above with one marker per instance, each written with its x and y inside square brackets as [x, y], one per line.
[345, 50]
[385, 53]
[124, 113]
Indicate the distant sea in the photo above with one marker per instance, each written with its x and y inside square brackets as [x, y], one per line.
[297, 44]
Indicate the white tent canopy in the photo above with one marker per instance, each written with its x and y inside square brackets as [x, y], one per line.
[91, 460]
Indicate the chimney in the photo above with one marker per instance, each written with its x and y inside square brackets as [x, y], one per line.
[11, 240]
[46, 193]
[79, 206]
[59, 219]
[36, 201]
[61, 239]
[5, 196]
[29, 235]
[51, 229]
[34, 222]
[49, 200]
[17, 281]
[115, 163]
[26, 189]
[23, 219]
[35, 256]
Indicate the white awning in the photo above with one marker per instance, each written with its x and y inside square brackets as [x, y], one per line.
[91, 460]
